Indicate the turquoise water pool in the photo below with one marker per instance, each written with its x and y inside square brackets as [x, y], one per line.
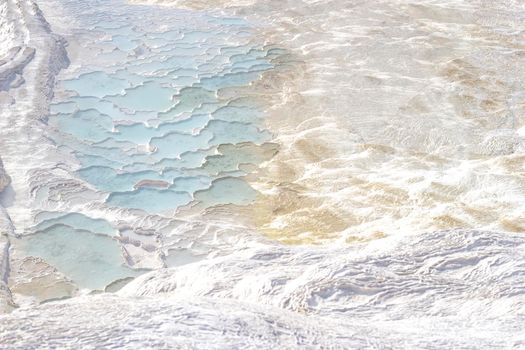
[140, 112]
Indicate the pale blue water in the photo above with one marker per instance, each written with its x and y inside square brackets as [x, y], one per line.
[143, 119]
[139, 133]
[149, 199]
[77, 221]
[227, 190]
[92, 260]
[96, 84]
[150, 96]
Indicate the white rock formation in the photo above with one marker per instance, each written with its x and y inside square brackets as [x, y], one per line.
[449, 289]
[30, 56]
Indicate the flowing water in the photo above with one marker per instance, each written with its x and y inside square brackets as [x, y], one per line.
[407, 118]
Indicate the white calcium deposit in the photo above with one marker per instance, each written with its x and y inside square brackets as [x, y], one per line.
[261, 174]
[451, 289]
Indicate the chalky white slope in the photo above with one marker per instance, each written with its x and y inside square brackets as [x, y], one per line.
[453, 289]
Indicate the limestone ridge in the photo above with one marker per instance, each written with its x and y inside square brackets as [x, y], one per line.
[6, 303]
[30, 57]
[5, 180]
